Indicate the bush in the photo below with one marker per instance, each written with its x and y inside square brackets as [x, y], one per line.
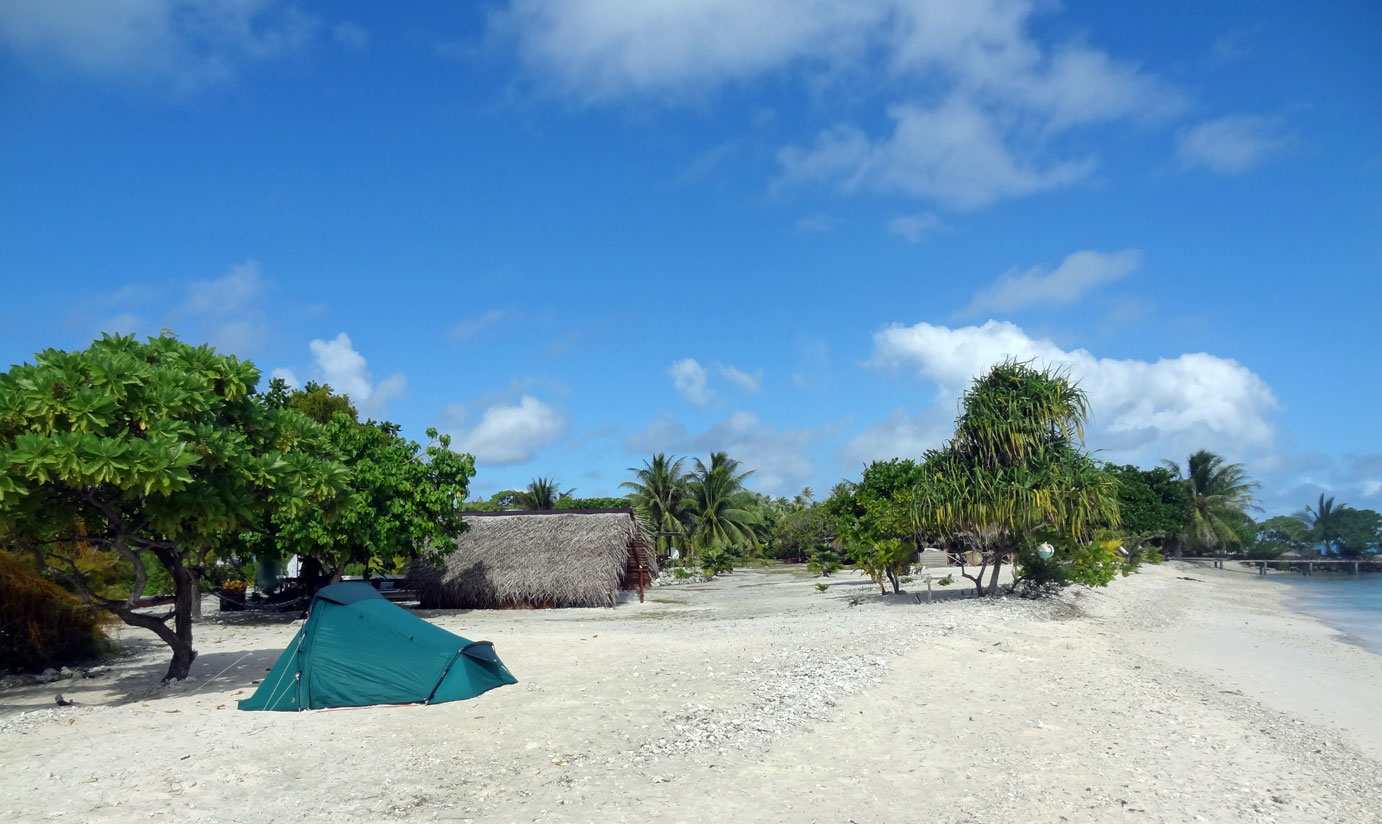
[715, 560]
[41, 624]
[824, 562]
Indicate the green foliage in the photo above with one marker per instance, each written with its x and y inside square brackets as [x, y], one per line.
[400, 501]
[154, 447]
[681, 573]
[883, 560]
[593, 503]
[825, 562]
[41, 624]
[721, 512]
[1092, 564]
[716, 559]
[658, 492]
[1153, 505]
[822, 587]
[1015, 468]
[542, 494]
[1219, 495]
[1359, 531]
[314, 400]
[801, 532]
[946, 581]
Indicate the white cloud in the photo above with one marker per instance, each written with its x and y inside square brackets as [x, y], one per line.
[778, 457]
[1067, 283]
[345, 370]
[190, 42]
[749, 382]
[955, 154]
[898, 436]
[1005, 90]
[912, 228]
[1140, 409]
[662, 435]
[234, 291]
[471, 327]
[510, 433]
[1230, 145]
[689, 379]
[1371, 487]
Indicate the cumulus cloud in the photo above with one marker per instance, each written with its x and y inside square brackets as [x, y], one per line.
[955, 153]
[897, 436]
[509, 432]
[751, 382]
[337, 364]
[1067, 283]
[1005, 90]
[1141, 409]
[690, 380]
[229, 307]
[1230, 145]
[777, 456]
[665, 433]
[912, 228]
[287, 376]
[190, 42]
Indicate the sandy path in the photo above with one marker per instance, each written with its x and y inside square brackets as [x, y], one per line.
[756, 698]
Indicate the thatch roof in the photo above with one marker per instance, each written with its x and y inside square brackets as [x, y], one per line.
[563, 558]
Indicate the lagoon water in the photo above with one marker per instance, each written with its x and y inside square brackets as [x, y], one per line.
[1350, 604]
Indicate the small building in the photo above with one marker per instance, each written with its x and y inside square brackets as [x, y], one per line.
[540, 560]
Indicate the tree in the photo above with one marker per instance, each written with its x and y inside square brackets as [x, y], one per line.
[401, 501]
[1014, 473]
[1359, 531]
[721, 512]
[153, 447]
[542, 494]
[1219, 495]
[1324, 520]
[658, 491]
[1153, 505]
[1278, 535]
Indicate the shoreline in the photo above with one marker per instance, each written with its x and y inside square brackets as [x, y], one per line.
[757, 698]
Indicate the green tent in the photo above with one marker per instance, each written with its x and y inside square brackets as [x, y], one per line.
[357, 649]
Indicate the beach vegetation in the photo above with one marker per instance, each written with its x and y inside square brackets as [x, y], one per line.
[658, 492]
[542, 494]
[720, 512]
[1219, 494]
[1015, 474]
[825, 562]
[41, 624]
[159, 448]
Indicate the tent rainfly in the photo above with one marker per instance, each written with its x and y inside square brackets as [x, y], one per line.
[558, 558]
[357, 649]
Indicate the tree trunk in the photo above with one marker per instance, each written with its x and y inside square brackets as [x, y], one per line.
[993, 581]
[188, 595]
[892, 579]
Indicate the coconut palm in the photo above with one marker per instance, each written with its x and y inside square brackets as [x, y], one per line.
[722, 512]
[1323, 521]
[1220, 495]
[1015, 468]
[658, 490]
[542, 493]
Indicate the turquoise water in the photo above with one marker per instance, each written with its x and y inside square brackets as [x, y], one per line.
[1352, 605]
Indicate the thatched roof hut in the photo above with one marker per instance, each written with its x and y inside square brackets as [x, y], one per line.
[558, 558]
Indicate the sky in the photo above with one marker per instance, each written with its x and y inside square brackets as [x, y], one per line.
[575, 233]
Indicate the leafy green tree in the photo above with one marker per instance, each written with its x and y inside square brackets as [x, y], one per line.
[658, 491]
[1278, 535]
[542, 494]
[1359, 531]
[567, 502]
[1014, 472]
[155, 447]
[1219, 496]
[1153, 505]
[402, 501]
[801, 533]
[721, 512]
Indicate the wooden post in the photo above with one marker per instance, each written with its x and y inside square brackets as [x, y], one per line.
[1309, 569]
[1262, 568]
[1355, 567]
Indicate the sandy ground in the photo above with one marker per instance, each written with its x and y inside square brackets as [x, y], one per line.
[757, 698]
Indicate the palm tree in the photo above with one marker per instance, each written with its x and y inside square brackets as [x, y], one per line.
[1219, 494]
[1323, 521]
[659, 489]
[722, 512]
[542, 493]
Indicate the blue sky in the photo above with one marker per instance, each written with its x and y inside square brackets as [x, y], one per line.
[574, 233]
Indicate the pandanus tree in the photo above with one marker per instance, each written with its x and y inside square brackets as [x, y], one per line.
[659, 492]
[1015, 471]
[1219, 496]
[721, 511]
[149, 449]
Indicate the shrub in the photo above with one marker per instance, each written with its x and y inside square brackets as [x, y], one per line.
[41, 624]
[824, 563]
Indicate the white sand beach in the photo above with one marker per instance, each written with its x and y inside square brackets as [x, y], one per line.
[757, 698]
